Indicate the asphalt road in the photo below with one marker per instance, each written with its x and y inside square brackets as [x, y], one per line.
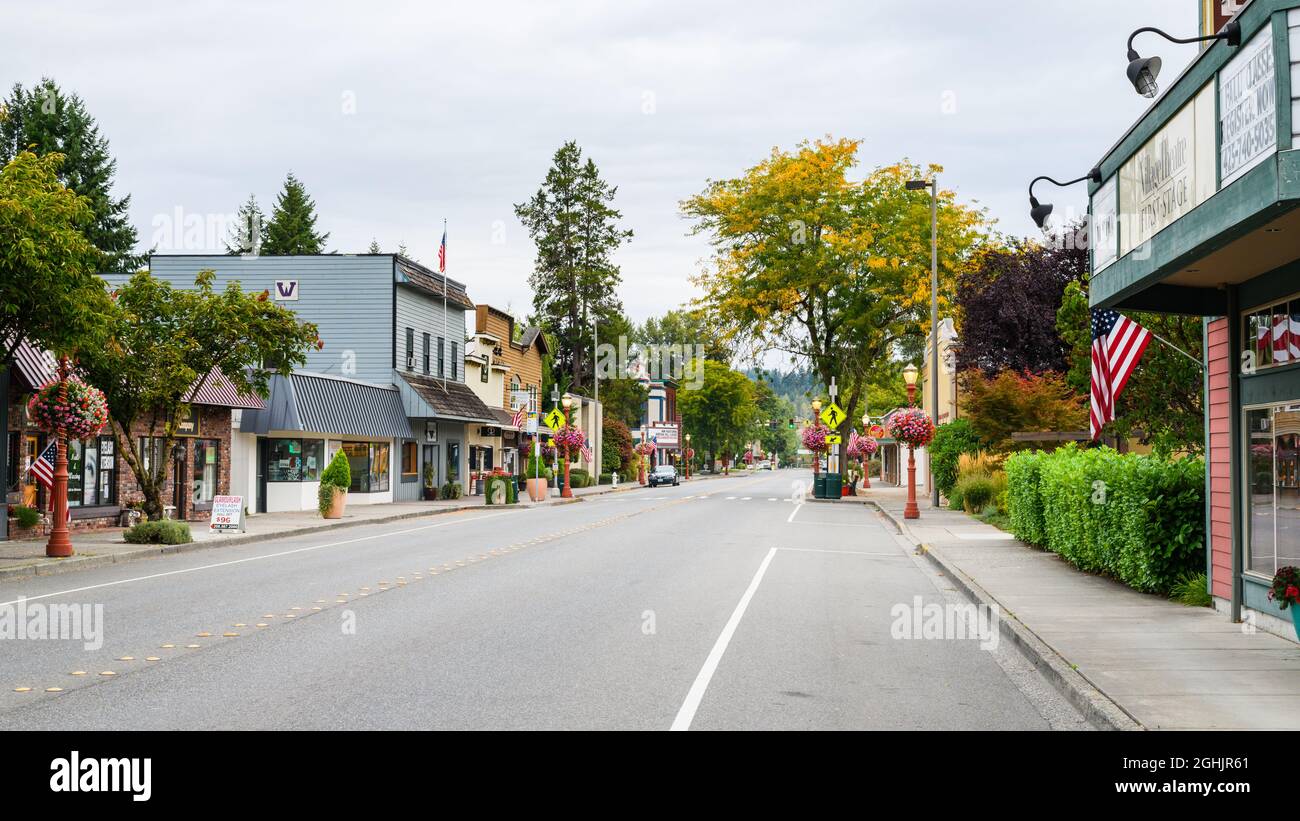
[719, 604]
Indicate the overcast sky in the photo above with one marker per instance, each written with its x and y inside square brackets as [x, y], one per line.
[398, 116]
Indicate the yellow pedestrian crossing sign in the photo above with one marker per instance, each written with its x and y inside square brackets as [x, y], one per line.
[834, 439]
[833, 416]
[554, 420]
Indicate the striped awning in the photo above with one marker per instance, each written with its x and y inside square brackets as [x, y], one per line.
[218, 390]
[317, 403]
[35, 366]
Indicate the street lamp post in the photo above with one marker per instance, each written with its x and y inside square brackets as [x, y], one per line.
[866, 463]
[687, 454]
[910, 510]
[933, 185]
[567, 492]
[1039, 212]
[817, 460]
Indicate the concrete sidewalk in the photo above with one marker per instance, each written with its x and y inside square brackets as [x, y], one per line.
[96, 548]
[1163, 665]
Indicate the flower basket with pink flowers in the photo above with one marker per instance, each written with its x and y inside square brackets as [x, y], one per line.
[913, 427]
[69, 408]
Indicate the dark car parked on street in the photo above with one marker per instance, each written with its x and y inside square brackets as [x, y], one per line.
[663, 475]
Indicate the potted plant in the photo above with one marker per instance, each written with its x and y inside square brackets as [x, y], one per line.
[1286, 592]
[535, 477]
[430, 486]
[334, 483]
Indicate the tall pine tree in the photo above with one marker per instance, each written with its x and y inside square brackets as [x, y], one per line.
[574, 225]
[292, 229]
[47, 120]
[248, 234]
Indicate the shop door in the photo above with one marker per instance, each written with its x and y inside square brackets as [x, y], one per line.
[179, 483]
[263, 453]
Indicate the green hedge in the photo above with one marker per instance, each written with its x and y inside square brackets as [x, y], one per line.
[950, 441]
[163, 531]
[1024, 498]
[1140, 519]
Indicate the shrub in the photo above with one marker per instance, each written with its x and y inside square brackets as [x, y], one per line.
[606, 478]
[951, 440]
[338, 472]
[955, 500]
[451, 490]
[977, 464]
[1024, 500]
[976, 492]
[1193, 590]
[163, 531]
[1137, 518]
[26, 516]
[580, 477]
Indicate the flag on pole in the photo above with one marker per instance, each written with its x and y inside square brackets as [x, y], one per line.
[43, 466]
[520, 417]
[586, 449]
[1117, 344]
[442, 252]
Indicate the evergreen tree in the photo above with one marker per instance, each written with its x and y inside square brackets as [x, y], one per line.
[292, 229]
[248, 234]
[47, 120]
[574, 225]
[374, 247]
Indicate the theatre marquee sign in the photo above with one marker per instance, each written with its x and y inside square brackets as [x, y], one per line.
[1248, 108]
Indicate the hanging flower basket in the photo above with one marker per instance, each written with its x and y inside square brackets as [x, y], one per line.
[568, 440]
[690, 453]
[912, 427]
[814, 438]
[645, 448]
[69, 408]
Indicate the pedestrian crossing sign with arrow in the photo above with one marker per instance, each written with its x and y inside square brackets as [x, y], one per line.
[834, 439]
[833, 416]
[554, 420]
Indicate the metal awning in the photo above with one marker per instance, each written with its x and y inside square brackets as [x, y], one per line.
[35, 366]
[318, 403]
[443, 399]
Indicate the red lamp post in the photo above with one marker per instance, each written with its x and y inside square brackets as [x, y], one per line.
[866, 460]
[567, 492]
[688, 454]
[910, 510]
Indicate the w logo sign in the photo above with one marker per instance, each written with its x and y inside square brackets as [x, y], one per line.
[286, 290]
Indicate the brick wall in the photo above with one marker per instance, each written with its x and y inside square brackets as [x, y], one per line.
[1220, 459]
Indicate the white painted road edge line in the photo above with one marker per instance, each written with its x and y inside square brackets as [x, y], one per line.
[693, 698]
[255, 558]
[794, 512]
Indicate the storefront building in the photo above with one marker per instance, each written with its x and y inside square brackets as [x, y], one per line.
[387, 388]
[1198, 213]
[661, 423]
[100, 482]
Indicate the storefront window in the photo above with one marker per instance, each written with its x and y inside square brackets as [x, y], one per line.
[295, 460]
[410, 462]
[92, 472]
[1273, 466]
[453, 461]
[368, 463]
[1273, 334]
[204, 473]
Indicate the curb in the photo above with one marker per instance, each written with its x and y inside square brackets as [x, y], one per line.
[88, 562]
[1098, 709]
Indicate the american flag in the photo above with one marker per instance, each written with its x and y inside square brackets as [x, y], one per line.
[442, 253]
[521, 414]
[1117, 344]
[43, 466]
[586, 449]
[1284, 340]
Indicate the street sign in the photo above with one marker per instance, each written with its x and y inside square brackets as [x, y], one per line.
[834, 439]
[833, 415]
[555, 419]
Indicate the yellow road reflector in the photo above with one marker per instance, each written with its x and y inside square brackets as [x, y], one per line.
[77, 673]
[193, 646]
[54, 689]
[230, 634]
[262, 624]
[203, 635]
[107, 673]
[22, 689]
[168, 646]
[151, 658]
[126, 658]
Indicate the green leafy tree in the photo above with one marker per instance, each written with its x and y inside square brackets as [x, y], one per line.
[616, 447]
[49, 293]
[776, 439]
[624, 400]
[292, 229]
[574, 225]
[1162, 402]
[828, 270]
[248, 234]
[46, 120]
[164, 343]
[720, 414]
[686, 328]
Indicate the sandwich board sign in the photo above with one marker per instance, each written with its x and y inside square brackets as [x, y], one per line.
[227, 514]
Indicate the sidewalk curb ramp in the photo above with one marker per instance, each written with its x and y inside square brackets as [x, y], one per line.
[1097, 708]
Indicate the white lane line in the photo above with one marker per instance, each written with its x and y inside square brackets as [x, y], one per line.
[747, 498]
[255, 558]
[771, 499]
[794, 512]
[693, 698]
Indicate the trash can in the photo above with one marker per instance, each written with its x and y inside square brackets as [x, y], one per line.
[819, 486]
[833, 486]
